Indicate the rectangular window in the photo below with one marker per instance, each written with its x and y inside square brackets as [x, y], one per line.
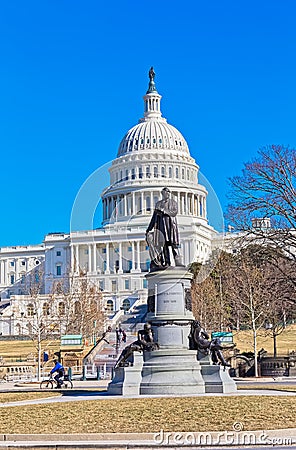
[23, 263]
[126, 284]
[130, 265]
[114, 286]
[129, 249]
[11, 263]
[59, 270]
[86, 251]
[22, 279]
[103, 250]
[145, 284]
[11, 279]
[101, 284]
[59, 253]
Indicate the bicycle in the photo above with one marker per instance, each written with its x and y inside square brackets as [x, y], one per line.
[51, 383]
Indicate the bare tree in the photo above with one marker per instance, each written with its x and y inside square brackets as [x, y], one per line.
[209, 295]
[280, 296]
[79, 306]
[41, 325]
[246, 290]
[266, 191]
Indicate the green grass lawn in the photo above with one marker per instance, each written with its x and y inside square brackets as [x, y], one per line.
[151, 414]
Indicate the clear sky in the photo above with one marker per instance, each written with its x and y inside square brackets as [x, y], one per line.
[72, 78]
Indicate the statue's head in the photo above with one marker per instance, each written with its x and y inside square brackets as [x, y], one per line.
[166, 193]
[147, 326]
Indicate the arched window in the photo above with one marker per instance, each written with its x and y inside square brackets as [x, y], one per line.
[155, 171]
[170, 172]
[133, 174]
[126, 304]
[30, 310]
[110, 305]
[140, 172]
[61, 309]
[147, 172]
[45, 309]
[183, 174]
[177, 172]
[148, 205]
[162, 171]
[77, 308]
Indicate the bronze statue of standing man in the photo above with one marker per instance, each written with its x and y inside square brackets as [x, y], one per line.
[162, 234]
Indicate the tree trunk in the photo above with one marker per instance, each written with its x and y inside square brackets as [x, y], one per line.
[255, 351]
[274, 336]
[39, 361]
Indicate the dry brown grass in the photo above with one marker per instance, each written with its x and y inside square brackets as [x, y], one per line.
[151, 415]
[21, 349]
[6, 397]
[286, 342]
[262, 386]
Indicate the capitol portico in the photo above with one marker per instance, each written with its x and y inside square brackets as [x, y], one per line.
[151, 155]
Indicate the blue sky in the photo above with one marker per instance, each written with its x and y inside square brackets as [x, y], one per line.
[73, 75]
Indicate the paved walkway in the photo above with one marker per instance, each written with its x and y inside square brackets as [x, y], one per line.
[267, 438]
[87, 390]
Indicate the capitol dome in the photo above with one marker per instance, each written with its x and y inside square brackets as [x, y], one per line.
[152, 132]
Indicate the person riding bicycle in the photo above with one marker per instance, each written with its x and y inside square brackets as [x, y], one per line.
[59, 368]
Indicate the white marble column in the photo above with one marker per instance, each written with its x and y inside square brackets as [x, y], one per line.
[1, 272]
[134, 204]
[125, 205]
[107, 258]
[112, 212]
[142, 202]
[133, 256]
[72, 259]
[204, 207]
[120, 257]
[77, 259]
[95, 257]
[89, 258]
[138, 266]
[16, 270]
[117, 205]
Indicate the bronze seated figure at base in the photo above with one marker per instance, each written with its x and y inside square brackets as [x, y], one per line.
[144, 342]
[199, 340]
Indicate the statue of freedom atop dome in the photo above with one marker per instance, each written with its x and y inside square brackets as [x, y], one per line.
[151, 74]
[162, 233]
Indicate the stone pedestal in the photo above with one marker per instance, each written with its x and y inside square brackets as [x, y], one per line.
[127, 380]
[216, 377]
[173, 369]
[171, 372]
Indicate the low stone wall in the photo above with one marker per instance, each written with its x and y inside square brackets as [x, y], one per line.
[281, 366]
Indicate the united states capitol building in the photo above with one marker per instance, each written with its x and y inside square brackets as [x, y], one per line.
[151, 155]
